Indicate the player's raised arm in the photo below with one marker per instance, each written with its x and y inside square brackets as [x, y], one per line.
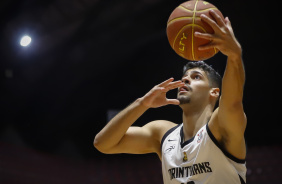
[118, 136]
[231, 116]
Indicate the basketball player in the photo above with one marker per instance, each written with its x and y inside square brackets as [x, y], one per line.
[209, 146]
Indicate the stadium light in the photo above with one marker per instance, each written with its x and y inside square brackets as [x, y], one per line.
[25, 40]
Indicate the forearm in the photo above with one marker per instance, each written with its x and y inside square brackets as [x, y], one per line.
[233, 80]
[231, 116]
[113, 132]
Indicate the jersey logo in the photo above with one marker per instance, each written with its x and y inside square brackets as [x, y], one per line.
[200, 136]
[172, 140]
[170, 148]
[185, 157]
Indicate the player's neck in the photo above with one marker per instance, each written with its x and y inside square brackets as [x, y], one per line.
[194, 119]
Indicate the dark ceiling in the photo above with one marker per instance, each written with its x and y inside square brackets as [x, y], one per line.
[89, 58]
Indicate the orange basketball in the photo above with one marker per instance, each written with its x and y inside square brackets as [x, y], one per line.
[183, 22]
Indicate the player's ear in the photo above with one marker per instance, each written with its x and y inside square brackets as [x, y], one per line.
[214, 92]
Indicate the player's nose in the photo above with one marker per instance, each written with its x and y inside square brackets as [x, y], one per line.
[185, 80]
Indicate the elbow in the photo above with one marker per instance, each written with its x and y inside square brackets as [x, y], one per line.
[98, 144]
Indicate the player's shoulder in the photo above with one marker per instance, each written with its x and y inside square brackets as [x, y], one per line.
[160, 127]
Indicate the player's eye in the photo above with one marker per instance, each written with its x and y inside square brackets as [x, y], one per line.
[197, 77]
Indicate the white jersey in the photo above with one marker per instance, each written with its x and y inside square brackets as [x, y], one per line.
[200, 160]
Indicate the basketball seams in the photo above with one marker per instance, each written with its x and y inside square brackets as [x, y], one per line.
[207, 9]
[179, 33]
[187, 25]
[180, 18]
[192, 30]
[215, 50]
[198, 11]
[184, 8]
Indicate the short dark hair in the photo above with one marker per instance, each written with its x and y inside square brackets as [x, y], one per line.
[213, 76]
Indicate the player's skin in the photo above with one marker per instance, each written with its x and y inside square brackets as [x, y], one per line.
[227, 122]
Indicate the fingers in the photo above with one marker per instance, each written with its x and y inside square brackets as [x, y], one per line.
[170, 85]
[173, 101]
[206, 36]
[156, 97]
[217, 18]
[165, 83]
[175, 84]
[207, 46]
[217, 23]
[228, 23]
[210, 22]
[221, 29]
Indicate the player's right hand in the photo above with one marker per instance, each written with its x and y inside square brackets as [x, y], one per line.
[156, 97]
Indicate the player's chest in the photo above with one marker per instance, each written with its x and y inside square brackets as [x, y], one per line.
[179, 153]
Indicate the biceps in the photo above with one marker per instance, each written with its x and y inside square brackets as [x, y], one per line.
[137, 140]
[233, 119]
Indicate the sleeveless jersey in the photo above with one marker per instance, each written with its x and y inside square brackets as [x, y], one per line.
[199, 160]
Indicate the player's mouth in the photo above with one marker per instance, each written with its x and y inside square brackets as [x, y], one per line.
[184, 89]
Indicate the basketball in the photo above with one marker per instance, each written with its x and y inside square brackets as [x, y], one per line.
[183, 22]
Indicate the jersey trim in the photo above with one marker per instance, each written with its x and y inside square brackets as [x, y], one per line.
[241, 161]
[167, 133]
[241, 179]
[182, 138]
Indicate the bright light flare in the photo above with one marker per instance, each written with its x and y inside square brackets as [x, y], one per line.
[25, 40]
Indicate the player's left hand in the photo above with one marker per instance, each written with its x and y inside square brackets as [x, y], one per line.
[223, 37]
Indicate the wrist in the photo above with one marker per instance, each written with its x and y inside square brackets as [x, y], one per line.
[236, 54]
[140, 102]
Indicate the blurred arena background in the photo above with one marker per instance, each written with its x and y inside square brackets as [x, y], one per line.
[88, 59]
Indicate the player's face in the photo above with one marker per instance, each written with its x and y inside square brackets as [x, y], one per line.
[196, 87]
